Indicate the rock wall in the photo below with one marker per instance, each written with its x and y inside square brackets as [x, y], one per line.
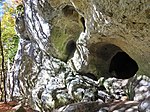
[67, 45]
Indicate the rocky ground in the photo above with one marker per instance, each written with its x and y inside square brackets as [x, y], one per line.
[130, 95]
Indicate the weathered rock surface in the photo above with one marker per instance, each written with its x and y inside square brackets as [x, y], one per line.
[125, 106]
[66, 46]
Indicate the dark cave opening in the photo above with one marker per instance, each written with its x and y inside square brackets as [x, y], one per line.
[70, 49]
[83, 23]
[123, 66]
[71, 46]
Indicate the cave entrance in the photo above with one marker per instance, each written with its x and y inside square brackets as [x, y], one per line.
[122, 66]
[111, 61]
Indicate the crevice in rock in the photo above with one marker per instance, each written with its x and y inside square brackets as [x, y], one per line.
[89, 75]
[123, 66]
[83, 23]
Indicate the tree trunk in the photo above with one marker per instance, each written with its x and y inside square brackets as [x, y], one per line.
[3, 76]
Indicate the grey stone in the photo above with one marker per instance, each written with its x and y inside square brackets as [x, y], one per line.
[61, 40]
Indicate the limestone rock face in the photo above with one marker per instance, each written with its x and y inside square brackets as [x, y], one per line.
[67, 45]
[122, 23]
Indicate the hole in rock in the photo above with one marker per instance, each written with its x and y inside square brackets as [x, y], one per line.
[123, 66]
[71, 14]
[124, 17]
[83, 23]
[68, 10]
[70, 49]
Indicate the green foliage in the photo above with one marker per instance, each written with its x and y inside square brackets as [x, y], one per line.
[8, 34]
[20, 9]
[8, 44]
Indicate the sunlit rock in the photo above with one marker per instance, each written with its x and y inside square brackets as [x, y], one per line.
[66, 46]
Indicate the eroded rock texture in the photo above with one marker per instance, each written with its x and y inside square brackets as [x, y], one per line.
[67, 45]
